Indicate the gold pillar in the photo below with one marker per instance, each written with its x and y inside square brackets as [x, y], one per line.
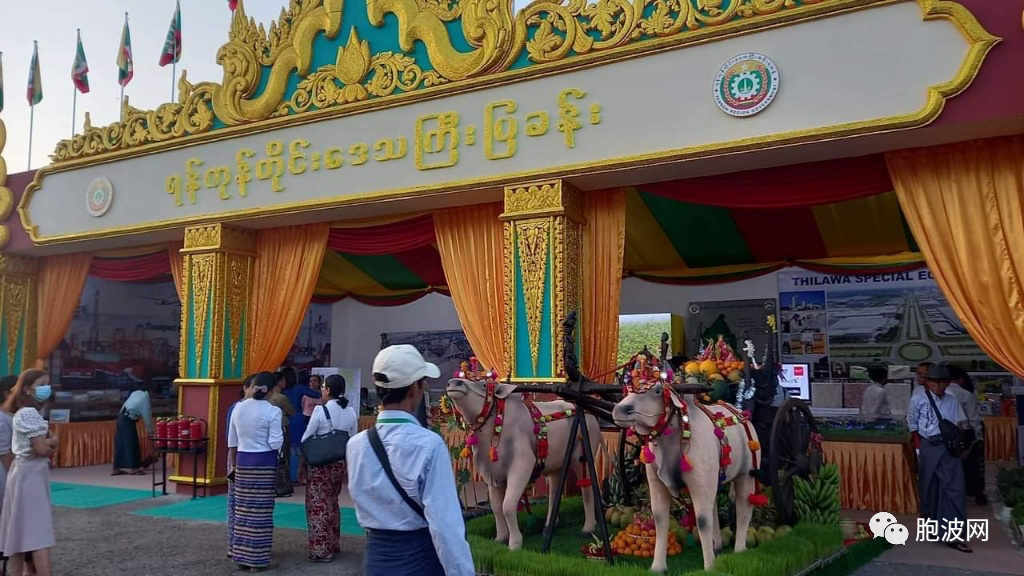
[543, 276]
[216, 281]
[18, 313]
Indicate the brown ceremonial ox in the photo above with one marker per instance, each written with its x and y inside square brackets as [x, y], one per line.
[508, 477]
[642, 410]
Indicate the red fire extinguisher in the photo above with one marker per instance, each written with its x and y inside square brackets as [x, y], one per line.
[161, 433]
[185, 433]
[197, 430]
[172, 434]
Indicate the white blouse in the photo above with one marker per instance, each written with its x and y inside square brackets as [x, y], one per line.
[341, 419]
[255, 427]
[28, 424]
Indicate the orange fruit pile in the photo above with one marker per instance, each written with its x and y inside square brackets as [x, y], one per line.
[640, 543]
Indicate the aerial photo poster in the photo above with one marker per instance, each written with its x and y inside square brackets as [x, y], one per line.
[841, 324]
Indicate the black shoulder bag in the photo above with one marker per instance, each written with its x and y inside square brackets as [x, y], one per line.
[326, 449]
[378, 448]
[950, 432]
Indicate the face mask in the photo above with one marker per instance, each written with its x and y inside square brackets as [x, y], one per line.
[43, 393]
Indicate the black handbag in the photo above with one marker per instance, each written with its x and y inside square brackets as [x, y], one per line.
[321, 450]
[951, 434]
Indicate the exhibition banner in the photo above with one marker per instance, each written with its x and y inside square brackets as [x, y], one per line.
[841, 324]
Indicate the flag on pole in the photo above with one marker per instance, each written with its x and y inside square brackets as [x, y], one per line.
[125, 69]
[172, 45]
[232, 4]
[1, 81]
[34, 92]
[80, 69]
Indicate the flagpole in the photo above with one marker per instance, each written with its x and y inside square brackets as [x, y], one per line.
[174, 72]
[74, 109]
[31, 128]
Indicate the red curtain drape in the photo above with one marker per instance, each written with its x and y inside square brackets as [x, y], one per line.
[392, 238]
[141, 268]
[795, 186]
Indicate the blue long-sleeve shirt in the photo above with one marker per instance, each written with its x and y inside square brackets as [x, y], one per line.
[297, 423]
[422, 465]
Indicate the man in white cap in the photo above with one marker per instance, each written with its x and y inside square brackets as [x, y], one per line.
[401, 479]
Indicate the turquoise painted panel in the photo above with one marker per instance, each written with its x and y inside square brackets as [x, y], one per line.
[189, 370]
[546, 326]
[523, 364]
[5, 367]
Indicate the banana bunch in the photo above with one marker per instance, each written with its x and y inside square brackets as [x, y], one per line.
[816, 501]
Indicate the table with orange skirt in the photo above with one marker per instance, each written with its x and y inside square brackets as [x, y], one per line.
[1000, 438]
[875, 475]
[91, 443]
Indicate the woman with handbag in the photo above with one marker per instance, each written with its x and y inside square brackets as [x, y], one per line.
[323, 445]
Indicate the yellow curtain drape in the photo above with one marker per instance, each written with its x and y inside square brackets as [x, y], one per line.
[964, 206]
[470, 241]
[286, 270]
[604, 240]
[177, 266]
[61, 279]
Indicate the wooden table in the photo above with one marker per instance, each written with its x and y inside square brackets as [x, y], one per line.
[91, 443]
[875, 476]
[1000, 438]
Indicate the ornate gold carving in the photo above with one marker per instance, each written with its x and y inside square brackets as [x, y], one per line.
[15, 306]
[508, 267]
[219, 237]
[533, 243]
[238, 300]
[356, 76]
[202, 279]
[548, 32]
[17, 265]
[6, 195]
[551, 198]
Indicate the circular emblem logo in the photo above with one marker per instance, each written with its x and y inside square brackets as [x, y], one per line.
[746, 84]
[99, 197]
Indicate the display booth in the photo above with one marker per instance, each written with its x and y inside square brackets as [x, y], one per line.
[523, 164]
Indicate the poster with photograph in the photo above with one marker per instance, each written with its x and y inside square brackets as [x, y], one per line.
[353, 381]
[637, 331]
[842, 324]
[446, 348]
[312, 346]
[734, 320]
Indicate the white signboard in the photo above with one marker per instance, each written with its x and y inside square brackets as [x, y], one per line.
[353, 382]
[652, 108]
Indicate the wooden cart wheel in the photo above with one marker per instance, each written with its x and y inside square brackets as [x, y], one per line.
[792, 454]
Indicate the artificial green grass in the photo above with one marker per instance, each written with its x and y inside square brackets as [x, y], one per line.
[215, 509]
[85, 497]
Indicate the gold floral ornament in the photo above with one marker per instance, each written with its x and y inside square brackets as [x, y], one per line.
[6, 195]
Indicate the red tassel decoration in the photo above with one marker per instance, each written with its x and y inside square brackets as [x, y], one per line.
[758, 499]
[647, 456]
[494, 454]
[584, 483]
[719, 433]
[471, 440]
[685, 465]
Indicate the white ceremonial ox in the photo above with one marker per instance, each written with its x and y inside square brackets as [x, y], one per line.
[689, 445]
[514, 441]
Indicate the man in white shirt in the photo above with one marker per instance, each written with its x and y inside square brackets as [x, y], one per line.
[127, 452]
[875, 404]
[423, 532]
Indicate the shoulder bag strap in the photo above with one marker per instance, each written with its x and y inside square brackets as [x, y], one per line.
[938, 415]
[327, 414]
[378, 448]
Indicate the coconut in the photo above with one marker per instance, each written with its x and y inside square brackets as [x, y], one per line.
[782, 531]
[751, 538]
[765, 534]
[726, 537]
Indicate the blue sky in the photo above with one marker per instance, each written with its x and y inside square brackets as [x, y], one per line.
[53, 24]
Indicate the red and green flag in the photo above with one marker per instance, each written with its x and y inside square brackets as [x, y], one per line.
[172, 45]
[125, 68]
[80, 69]
[34, 92]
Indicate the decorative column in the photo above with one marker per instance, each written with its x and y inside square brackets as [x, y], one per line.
[543, 276]
[18, 313]
[216, 287]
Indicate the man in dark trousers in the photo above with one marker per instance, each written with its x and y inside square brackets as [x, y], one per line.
[943, 499]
